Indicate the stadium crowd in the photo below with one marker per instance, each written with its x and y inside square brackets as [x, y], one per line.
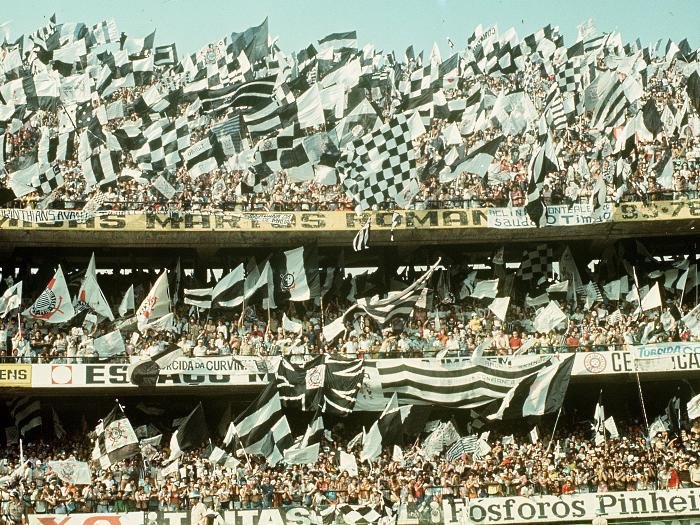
[572, 463]
[505, 184]
[447, 327]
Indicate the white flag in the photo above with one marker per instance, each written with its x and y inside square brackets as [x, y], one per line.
[692, 320]
[91, 295]
[11, 299]
[156, 304]
[694, 408]
[301, 456]
[549, 318]
[54, 304]
[534, 435]
[334, 329]
[499, 307]
[289, 325]
[110, 344]
[348, 463]
[652, 299]
[397, 454]
[127, 303]
[485, 289]
[72, 471]
[611, 427]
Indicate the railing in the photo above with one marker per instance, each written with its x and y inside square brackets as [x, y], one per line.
[253, 205]
[490, 353]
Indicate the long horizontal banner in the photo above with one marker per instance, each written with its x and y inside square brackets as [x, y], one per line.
[574, 508]
[251, 371]
[569, 509]
[576, 215]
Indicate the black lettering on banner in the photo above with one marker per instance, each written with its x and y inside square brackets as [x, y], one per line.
[109, 222]
[618, 361]
[117, 374]
[452, 217]
[197, 221]
[429, 219]
[311, 220]
[383, 218]
[227, 221]
[94, 375]
[155, 222]
[353, 220]
[677, 207]
[479, 215]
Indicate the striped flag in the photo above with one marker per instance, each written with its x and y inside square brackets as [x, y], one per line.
[361, 240]
[539, 394]
[464, 384]
[399, 303]
[115, 439]
[26, 413]
[144, 371]
[204, 156]
[464, 445]
[254, 424]
[543, 162]
[248, 94]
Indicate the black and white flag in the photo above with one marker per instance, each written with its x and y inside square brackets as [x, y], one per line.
[144, 370]
[539, 394]
[398, 303]
[165, 55]
[387, 430]
[253, 425]
[296, 275]
[229, 287]
[381, 165]
[361, 240]
[115, 439]
[191, 433]
[26, 413]
[102, 168]
[543, 162]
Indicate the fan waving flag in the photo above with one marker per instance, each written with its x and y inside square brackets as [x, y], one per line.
[115, 439]
[11, 299]
[54, 304]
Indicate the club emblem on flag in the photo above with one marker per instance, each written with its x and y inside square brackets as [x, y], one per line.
[115, 435]
[315, 377]
[66, 471]
[47, 304]
[287, 281]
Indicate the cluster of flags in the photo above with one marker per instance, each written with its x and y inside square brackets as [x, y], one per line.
[283, 99]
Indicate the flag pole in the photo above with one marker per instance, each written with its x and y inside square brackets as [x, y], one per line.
[556, 422]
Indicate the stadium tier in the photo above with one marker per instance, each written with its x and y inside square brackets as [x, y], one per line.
[343, 285]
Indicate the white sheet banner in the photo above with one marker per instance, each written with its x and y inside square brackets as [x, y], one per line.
[575, 215]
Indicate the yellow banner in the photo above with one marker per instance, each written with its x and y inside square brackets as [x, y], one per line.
[14, 375]
[341, 221]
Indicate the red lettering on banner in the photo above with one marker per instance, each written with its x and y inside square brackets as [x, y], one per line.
[52, 521]
[99, 520]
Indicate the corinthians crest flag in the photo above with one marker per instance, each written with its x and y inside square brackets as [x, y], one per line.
[115, 439]
[54, 304]
[296, 275]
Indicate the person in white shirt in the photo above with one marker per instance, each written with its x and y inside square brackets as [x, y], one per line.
[199, 510]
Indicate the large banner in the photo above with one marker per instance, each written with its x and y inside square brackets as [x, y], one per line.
[501, 218]
[252, 371]
[575, 508]
[676, 507]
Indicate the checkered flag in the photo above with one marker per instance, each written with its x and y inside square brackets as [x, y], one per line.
[164, 141]
[49, 180]
[536, 262]
[379, 166]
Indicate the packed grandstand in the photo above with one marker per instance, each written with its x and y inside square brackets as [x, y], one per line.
[500, 378]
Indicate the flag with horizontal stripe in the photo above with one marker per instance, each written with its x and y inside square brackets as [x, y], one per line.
[538, 394]
[462, 384]
[26, 413]
[253, 425]
[398, 303]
